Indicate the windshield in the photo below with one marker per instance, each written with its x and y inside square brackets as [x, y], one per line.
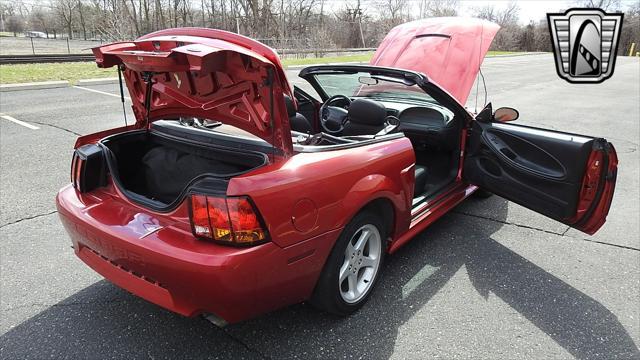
[363, 84]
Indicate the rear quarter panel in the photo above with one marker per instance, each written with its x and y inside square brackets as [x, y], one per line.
[310, 194]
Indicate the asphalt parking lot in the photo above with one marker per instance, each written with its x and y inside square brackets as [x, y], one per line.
[491, 280]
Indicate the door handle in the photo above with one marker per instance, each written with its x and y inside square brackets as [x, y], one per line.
[499, 145]
[508, 153]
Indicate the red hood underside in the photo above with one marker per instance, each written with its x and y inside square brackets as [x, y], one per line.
[206, 73]
[448, 50]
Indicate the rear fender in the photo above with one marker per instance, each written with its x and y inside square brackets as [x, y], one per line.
[374, 187]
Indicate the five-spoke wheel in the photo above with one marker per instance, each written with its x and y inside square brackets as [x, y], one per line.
[352, 268]
[361, 263]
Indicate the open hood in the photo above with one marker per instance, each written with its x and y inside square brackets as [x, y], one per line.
[448, 50]
[205, 73]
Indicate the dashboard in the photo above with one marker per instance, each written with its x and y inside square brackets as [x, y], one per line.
[426, 126]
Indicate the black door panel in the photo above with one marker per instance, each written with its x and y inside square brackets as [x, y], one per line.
[524, 155]
[539, 169]
[551, 197]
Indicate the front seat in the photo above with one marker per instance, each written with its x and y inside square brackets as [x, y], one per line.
[421, 180]
[366, 117]
[297, 121]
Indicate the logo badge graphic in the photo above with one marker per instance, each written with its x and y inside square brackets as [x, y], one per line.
[585, 43]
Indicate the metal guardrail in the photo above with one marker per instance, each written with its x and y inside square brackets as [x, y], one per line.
[46, 58]
[322, 51]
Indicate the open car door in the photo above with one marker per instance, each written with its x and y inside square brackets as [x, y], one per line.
[567, 177]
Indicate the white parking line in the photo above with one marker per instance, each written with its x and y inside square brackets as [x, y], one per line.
[12, 119]
[100, 92]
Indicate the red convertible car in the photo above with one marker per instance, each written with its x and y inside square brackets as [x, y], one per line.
[234, 194]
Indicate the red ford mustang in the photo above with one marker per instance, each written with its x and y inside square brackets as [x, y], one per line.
[234, 194]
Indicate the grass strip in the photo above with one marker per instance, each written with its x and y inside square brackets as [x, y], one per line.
[24, 73]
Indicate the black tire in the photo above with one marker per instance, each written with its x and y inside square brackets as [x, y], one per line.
[482, 194]
[327, 294]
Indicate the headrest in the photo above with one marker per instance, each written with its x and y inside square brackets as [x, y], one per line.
[367, 112]
[291, 107]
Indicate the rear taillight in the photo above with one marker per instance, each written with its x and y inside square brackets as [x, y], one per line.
[228, 220]
[76, 167]
[88, 168]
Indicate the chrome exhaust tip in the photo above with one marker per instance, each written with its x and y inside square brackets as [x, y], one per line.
[215, 320]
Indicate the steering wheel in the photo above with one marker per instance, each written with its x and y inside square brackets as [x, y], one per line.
[332, 118]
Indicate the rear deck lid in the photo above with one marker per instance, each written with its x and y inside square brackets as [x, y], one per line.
[448, 50]
[205, 73]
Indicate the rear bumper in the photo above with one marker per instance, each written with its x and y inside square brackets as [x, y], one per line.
[155, 256]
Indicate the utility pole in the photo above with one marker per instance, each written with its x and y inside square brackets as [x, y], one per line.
[282, 23]
[360, 26]
[357, 15]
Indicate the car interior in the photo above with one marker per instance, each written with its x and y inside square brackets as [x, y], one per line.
[433, 130]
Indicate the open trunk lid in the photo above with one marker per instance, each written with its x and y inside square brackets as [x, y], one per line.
[205, 73]
[448, 50]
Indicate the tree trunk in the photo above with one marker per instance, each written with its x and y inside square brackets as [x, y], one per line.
[163, 23]
[132, 15]
[145, 6]
[136, 23]
[212, 14]
[82, 22]
[176, 4]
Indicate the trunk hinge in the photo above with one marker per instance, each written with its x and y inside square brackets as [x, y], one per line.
[147, 76]
[269, 82]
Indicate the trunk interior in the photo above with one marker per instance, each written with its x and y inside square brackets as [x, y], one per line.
[160, 167]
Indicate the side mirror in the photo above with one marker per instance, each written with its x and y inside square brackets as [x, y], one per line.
[486, 115]
[505, 114]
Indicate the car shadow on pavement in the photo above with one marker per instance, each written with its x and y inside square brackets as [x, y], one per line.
[102, 321]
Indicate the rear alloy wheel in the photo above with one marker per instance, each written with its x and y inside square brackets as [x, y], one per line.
[352, 268]
[361, 262]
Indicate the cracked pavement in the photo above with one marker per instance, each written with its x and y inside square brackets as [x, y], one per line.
[490, 280]
[563, 233]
